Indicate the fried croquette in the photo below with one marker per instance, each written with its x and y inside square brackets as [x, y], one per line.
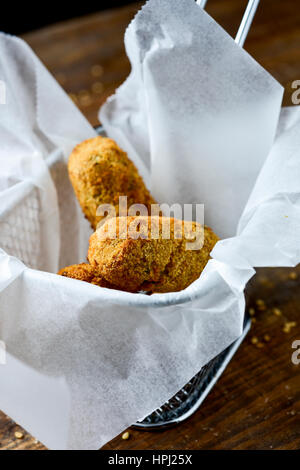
[85, 272]
[100, 172]
[146, 256]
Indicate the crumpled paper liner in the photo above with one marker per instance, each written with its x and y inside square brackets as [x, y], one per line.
[197, 113]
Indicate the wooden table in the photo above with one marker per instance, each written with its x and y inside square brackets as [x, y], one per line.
[256, 403]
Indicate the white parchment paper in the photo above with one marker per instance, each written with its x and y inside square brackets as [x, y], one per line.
[85, 362]
[198, 111]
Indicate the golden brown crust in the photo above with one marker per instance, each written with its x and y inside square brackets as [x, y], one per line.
[100, 172]
[147, 264]
[85, 272]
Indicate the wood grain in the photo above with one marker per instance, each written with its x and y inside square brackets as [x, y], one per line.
[256, 403]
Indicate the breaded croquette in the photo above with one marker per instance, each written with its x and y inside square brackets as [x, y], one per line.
[85, 272]
[152, 264]
[100, 172]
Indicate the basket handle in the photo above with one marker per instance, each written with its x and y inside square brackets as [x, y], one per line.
[246, 20]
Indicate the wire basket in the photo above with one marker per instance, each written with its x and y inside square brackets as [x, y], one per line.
[182, 405]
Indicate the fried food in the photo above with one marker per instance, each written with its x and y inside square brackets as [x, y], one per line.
[150, 264]
[131, 259]
[85, 272]
[100, 172]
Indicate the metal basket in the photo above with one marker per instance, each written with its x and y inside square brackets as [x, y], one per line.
[182, 405]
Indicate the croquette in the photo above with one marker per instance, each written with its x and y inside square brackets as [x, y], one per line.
[85, 272]
[100, 172]
[145, 256]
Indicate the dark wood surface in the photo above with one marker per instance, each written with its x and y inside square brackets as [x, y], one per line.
[256, 403]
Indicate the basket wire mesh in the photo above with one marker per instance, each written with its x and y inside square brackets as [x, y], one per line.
[182, 405]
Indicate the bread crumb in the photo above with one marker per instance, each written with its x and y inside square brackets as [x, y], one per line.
[277, 312]
[97, 88]
[288, 326]
[96, 70]
[261, 305]
[85, 98]
[293, 275]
